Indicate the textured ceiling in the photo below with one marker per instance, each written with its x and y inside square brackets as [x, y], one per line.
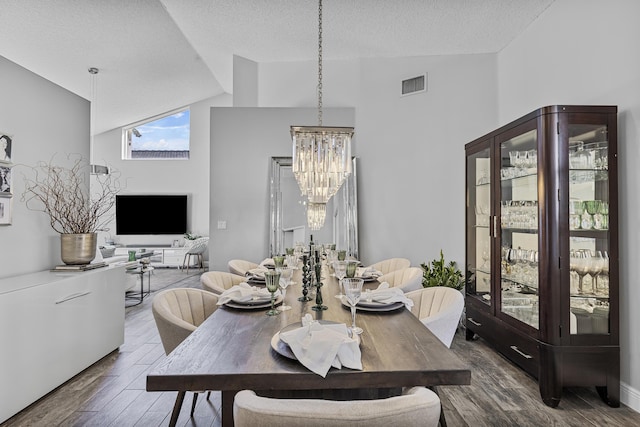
[158, 55]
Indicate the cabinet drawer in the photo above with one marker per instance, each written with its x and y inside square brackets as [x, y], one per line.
[477, 321]
[522, 350]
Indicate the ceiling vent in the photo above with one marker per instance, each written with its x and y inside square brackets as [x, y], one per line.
[414, 85]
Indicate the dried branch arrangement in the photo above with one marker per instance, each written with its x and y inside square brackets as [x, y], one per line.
[63, 194]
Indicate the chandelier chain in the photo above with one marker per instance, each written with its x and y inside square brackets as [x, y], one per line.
[319, 62]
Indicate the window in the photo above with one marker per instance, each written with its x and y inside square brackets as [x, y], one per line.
[165, 137]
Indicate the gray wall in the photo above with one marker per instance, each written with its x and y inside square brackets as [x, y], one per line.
[243, 140]
[570, 56]
[44, 120]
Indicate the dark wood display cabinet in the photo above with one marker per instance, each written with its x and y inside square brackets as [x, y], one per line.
[542, 247]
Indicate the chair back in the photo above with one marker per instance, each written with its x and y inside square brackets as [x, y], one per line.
[439, 308]
[179, 311]
[219, 281]
[407, 279]
[240, 266]
[418, 406]
[391, 264]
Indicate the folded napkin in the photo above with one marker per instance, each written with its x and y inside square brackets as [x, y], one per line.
[245, 293]
[321, 346]
[257, 272]
[368, 272]
[387, 295]
[268, 262]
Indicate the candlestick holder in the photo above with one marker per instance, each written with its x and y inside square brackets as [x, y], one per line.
[319, 306]
[306, 278]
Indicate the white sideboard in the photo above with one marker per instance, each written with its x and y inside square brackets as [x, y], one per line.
[166, 256]
[54, 325]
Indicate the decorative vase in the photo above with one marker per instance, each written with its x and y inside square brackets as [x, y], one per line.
[78, 249]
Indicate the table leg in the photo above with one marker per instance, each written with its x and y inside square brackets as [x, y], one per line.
[227, 407]
[176, 408]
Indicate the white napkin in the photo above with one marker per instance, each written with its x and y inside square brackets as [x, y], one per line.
[387, 295]
[368, 272]
[319, 347]
[268, 262]
[244, 293]
[258, 272]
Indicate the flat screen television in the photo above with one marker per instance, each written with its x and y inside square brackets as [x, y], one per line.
[151, 214]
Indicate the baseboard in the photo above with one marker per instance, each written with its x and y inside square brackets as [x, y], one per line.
[630, 396]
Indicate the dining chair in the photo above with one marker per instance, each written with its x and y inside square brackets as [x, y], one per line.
[439, 308]
[219, 281]
[177, 313]
[417, 406]
[240, 266]
[391, 264]
[408, 279]
[196, 249]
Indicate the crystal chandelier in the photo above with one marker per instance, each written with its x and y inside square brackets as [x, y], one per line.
[321, 155]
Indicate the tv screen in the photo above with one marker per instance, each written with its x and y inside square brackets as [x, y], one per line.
[151, 214]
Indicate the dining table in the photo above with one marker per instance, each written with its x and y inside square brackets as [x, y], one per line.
[233, 350]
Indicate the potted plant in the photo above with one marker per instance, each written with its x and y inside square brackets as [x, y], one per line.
[441, 273]
[75, 211]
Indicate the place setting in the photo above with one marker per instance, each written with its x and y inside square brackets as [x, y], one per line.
[246, 297]
[319, 345]
[383, 298]
[368, 274]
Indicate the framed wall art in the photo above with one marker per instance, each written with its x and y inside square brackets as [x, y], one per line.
[5, 210]
[5, 180]
[5, 147]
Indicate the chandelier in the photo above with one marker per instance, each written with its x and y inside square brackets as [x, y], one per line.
[321, 155]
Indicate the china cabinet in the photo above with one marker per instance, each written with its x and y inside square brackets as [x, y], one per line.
[542, 247]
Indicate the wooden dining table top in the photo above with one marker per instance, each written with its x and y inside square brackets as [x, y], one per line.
[231, 351]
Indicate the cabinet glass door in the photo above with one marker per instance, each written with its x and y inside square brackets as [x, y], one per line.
[478, 225]
[519, 227]
[589, 229]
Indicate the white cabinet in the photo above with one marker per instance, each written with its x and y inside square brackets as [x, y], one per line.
[162, 256]
[54, 325]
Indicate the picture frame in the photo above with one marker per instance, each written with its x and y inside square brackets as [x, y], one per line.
[5, 180]
[6, 141]
[6, 205]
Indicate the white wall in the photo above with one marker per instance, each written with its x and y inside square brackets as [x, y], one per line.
[44, 120]
[585, 52]
[142, 176]
[411, 149]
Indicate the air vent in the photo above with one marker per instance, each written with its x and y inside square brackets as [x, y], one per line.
[414, 85]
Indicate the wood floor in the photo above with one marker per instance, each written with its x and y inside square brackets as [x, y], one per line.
[112, 391]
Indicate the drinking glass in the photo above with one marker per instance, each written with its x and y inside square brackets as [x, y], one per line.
[342, 255]
[285, 281]
[292, 261]
[351, 269]
[596, 264]
[579, 262]
[272, 280]
[289, 251]
[278, 260]
[353, 291]
[340, 268]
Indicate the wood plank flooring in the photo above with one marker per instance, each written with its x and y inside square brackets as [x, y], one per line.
[112, 391]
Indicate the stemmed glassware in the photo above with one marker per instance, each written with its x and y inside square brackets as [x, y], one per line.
[272, 280]
[285, 280]
[353, 291]
[278, 260]
[340, 269]
[595, 268]
[580, 264]
[352, 267]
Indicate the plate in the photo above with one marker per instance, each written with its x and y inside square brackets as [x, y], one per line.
[252, 306]
[256, 279]
[375, 306]
[368, 278]
[283, 348]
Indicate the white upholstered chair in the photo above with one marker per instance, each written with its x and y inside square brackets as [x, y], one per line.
[177, 313]
[391, 264]
[219, 281]
[196, 249]
[240, 266]
[407, 279]
[418, 406]
[439, 308]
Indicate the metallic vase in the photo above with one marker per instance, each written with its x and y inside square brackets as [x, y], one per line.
[78, 249]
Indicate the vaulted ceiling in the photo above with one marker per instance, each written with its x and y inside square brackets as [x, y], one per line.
[158, 55]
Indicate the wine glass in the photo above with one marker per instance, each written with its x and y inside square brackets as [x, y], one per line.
[580, 264]
[595, 268]
[352, 267]
[272, 280]
[340, 268]
[285, 281]
[278, 260]
[292, 261]
[353, 291]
